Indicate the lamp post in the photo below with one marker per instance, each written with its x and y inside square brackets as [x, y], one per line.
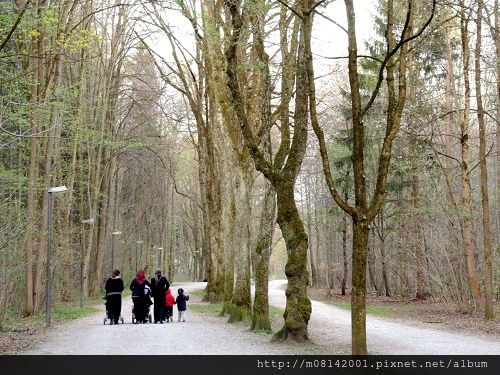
[159, 256]
[58, 189]
[90, 222]
[137, 243]
[113, 249]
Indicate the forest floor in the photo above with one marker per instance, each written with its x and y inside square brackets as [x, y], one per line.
[439, 315]
[394, 326]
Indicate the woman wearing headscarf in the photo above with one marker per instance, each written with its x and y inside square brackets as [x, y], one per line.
[139, 298]
[114, 288]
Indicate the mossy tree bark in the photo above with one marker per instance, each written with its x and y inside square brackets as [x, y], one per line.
[298, 305]
[241, 302]
[282, 174]
[263, 248]
[235, 167]
[261, 119]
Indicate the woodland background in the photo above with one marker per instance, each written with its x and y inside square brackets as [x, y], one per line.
[127, 104]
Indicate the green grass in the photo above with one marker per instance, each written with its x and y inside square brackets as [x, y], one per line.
[75, 313]
[342, 305]
[384, 311]
[199, 292]
[389, 311]
[14, 321]
[276, 312]
[212, 308]
[61, 312]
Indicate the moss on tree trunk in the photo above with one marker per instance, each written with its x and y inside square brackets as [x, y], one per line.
[358, 298]
[298, 305]
[260, 316]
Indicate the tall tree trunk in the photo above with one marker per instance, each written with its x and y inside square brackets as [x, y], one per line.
[241, 301]
[263, 248]
[262, 119]
[32, 67]
[415, 192]
[103, 209]
[371, 259]
[361, 232]
[466, 217]
[344, 256]
[31, 217]
[298, 306]
[311, 228]
[489, 312]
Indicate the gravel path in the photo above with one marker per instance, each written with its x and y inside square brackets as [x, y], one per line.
[207, 334]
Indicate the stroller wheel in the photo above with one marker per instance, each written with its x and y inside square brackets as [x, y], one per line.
[121, 319]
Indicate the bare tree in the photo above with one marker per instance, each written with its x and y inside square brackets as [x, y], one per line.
[393, 71]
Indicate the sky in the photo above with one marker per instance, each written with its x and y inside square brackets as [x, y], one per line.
[330, 40]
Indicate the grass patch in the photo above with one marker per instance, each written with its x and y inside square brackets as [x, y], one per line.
[13, 321]
[60, 312]
[276, 312]
[199, 293]
[74, 313]
[342, 305]
[212, 308]
[384, 311]
[390, 310]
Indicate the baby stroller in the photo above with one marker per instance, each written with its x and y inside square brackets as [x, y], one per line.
[147, 319]
[148, 315]
[106, 317]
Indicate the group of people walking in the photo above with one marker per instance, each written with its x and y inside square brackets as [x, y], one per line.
[142, 290]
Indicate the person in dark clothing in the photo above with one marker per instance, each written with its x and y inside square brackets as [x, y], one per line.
[139, 298]
[114, 288]
[159, 286]
[180, 301]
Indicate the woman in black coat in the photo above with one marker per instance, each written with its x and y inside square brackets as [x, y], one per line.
[139, 298]
[114, 288]
[159, 286]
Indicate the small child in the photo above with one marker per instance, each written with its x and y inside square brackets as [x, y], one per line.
[181, 304]
[169, 309]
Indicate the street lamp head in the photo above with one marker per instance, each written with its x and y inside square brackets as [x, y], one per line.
[58, 189]
[88, 221]
[140, 241]
[116, 233]
[160, 248]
